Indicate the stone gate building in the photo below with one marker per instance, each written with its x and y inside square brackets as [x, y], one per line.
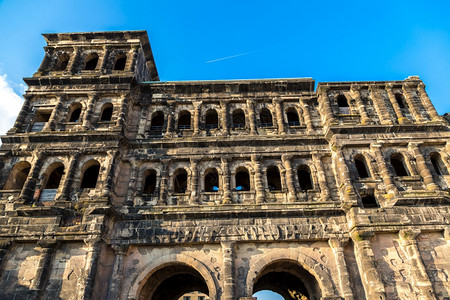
[115, 185]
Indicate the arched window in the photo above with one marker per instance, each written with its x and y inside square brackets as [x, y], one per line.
[343, 104]
[292, 117]
[55, 176]
[184, 120]
[17, 176]
[90, 176]
[242, 179]
[211, 119]
[91, 61]
[149, 186]
[438, 164]
[180, 181]
[61, 62]
[211, 180]
[157, 121]
[304, 178]
[273, 178]
[75, 112]
[361, 166]
[400, 100]
[107, 111]
[238, 118]
[120, 61]
[265, 117]
[398, 163]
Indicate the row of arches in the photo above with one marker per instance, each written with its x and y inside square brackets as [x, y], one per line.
[76, 109]
[90, 62]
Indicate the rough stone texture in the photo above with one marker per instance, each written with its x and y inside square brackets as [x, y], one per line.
[221, 187]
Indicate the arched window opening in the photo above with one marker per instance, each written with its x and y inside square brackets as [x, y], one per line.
[211, 180]
[39, 121]
[265, 118]
[17, 176]
[238, 118]
[120, 61]
[242, 180]
[75, 115]
[157, 121]
[184, 120]
[61, 62]
[343, 104]
[273, 178]
[304, 178]
[211, 119]
[107, 111]
[90, 177]
[400, 100]
[292, 117]
[398, 163]
[149, 182]
[55, 178]
[369, 201]
[361, 166]
[180, 181]
[438, 164]
[91, 62]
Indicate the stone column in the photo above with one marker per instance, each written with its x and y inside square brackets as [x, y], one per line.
[22, 115]
[422, 167]
[324, 190]
[131, 192]
[143, 122]
[398, 111]
[89, 109]
[226, 181]
[133, 58]
[122, 113]
[411, 102]
[306, 115]
[337, 246]
[51, 124]
[361, 108]
[371, 279]
[224, 117]
[43, 267]
[104, 62]
[170, 116]
[286, 160]
[164, 184]
[229, 284]
[380, 106]
[259, 187]
[251, 117]
[72, 64]
[194, 182]
[115, 284]
[90, 269]
[427, 102]
[383, 170]
[70, 174]
[108, 184]
[419, 274]
[27, 193]
[325, 108]
[197, 113]
[277, 103]
[347, 190]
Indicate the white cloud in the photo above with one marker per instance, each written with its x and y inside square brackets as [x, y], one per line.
[10, 104]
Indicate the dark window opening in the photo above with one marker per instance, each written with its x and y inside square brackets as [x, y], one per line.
[107, 113]
[292, 117]
[61, 62]
[361, 167]
[180, 181]
[400, 100]
[120, 63]
[342, 101]
[91, 62]
[211, 180]
[273, 178]
[398, 162]
[265, 118]
[90, 177]
[304, 178]
[438, 164]
[211, 119]
[369, 201]
[238, 118]
[184, 120]
[242, 180]
[157, 121]
[75, 116]
[39, 121]
[149, 183]
[55, 178]
[17, 176]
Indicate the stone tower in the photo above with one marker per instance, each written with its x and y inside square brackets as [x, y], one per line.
[115, 185]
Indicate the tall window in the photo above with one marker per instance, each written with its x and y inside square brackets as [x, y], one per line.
[238, 118]
[61, 62]
[75, 112]
[292, 117]
[17, 176]
[180, 181]
[438, 164]
[54, 178]
[184, 120]
[149, 182]
[273, 178]
[157, 121]
[343, 104]
[90, 176]
[211, 180]
[398, 163]
[91, 61]
[400, 100]
[242, 179]
[120, 61]
[304, 178]
[265, 118]
[361, 166]
[106, 113]
[211, 119]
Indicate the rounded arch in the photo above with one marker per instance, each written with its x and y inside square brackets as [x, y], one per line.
[120, 61]
[438, 164]
[144, 274]
[265, 117]
[61, 62]
[17, 176]
[74, 112]
[242, 179]
[149, 182]
[184, 120]
[180, 180]
[398, 163]
[361, 166]
[90, 173]
[91, 61]
[273, 178]
[292, 116]
[106, 112]
[238, 118]
[157, 121]
[53, 175]
[304, 177]
[211, 180]
[211, 119]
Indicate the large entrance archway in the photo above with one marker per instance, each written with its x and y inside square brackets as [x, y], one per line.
[288, 279]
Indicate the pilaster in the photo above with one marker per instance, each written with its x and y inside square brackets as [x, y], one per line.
[286, 160]
[259, 187]
[229, 282]
[280, 115]
[226, 181]
[380, 106]
[337, 246]
[115, 284]
[361, 108]
[324, 190]
[423, 168]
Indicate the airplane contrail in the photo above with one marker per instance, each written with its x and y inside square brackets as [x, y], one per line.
[227, 57]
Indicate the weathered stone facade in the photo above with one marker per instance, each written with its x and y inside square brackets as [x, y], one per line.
[118, 186]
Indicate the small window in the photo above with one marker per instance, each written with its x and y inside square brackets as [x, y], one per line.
[265, 118]
[292, 117]
[361, 166]
[55, 178]
[369, 201]
[61, 62]
[90, 177]
[17, 176]
[184, 120]
[273, 178]
[180, 181]
[40, 119]
[398, 163]
[438, 164]
[75, 115]
[211, 119]
[91, 61]
[242, 180]
[211, 180]
[120, 61]
[157, 121]
[343, 105]
[149, 182]
[238, 118]
[304, 178]
[107, 111]
[400, 100]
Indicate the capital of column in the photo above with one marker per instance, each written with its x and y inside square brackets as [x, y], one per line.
[362, 235]
[120, 249]
[409, 235]
[338, 243]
